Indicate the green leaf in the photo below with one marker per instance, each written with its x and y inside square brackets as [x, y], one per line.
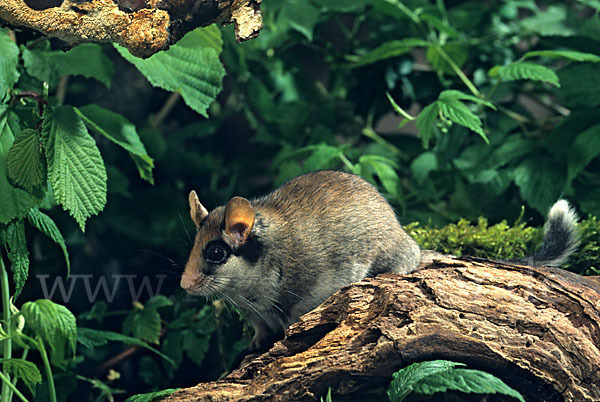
[459, 113]
[9, 75]
[24, 163]
[422, 165]
[15, 202]
[46, 225]
[144, 322]
[548, 22]
[321, 157]
[426, 122]
[86, 60]
[541, 180]
[54, 324]
[384, 169]
[405, 379]
[452, 94]
[580, 83]
[585, 148]
[92, 338]
[525, 71]
[75, 167]
[431, 377]
[457, 52]
[467, 381]
[387, 50]
[563, 54]
[121, 131]
[152, 396]
[190, 67]
[24, 371]
[301, 15]
[12, 238]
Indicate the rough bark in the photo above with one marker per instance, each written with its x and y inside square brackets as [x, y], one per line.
[536, 328]
[142, 26]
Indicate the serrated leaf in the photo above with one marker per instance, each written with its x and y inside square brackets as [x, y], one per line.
[540, 180]
[121, 131]
[526, 71]
[459, 113]
[190, 67]
[12, 238]
[9, 75]
[87, 60]
[426, 122]
[404, 380]
[585, 148]
[15, 202]
[92, 338]
[24, 162]
[75, 167]
[46, 225]
[563, 54]
[152, 396]
[24, 371]
[467, 381]
[54, 324]
[430, 377]
[452, 94]
[144, 322]
[157, 302]
[388, 50]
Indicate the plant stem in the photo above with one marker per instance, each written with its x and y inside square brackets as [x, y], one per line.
[42, 350]
[458, 71]
[6, 385]
[6, 381]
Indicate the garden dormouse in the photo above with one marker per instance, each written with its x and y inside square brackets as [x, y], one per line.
[278, 256]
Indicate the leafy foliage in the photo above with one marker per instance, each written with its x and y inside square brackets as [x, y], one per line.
[75, 167]
[54, 324]
[24, 371]
[430, 377]
[12, 238]
[8, 63]
[191, 67]
[87, 60]
[92, 338]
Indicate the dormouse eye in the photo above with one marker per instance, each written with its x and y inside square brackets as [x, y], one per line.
[216, 253]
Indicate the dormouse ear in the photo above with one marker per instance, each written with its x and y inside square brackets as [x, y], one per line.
[239, 219]
[197, 210]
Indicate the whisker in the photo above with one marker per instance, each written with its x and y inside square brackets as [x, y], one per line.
[184, 228]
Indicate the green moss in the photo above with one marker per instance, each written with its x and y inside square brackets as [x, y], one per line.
[504, 242]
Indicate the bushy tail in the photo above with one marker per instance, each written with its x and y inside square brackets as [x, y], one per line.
[560, 237]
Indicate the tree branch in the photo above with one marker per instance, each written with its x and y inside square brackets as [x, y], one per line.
[538, 329]
[142, 26]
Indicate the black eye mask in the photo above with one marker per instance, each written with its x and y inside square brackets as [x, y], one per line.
[216, 252]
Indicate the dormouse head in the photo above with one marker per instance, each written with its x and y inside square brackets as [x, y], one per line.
[224, 248]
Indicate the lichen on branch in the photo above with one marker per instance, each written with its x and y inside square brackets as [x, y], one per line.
[142, 26]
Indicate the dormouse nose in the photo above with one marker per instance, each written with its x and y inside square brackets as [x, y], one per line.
[187, 282]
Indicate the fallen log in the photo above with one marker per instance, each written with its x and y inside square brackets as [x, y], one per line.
[538, 329]
[142, 26]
